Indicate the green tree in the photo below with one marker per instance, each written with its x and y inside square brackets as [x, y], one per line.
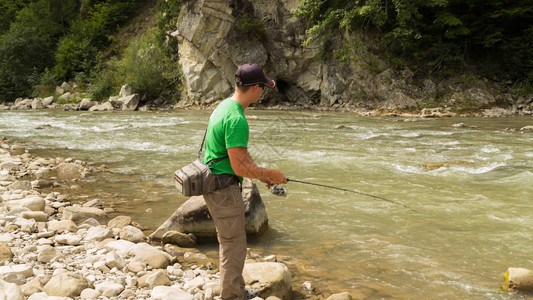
[440, 34]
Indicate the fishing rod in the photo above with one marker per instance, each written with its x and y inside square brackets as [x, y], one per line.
[283, 192]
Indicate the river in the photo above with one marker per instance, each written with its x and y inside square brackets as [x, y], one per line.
[464, 226]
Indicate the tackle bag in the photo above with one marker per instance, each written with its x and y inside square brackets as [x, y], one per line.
[194, 179]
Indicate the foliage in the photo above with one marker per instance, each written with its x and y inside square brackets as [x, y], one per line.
[59, 39]
[252, 27]
[107, 80]
[440, 34]
[8, 12]
[147, 67]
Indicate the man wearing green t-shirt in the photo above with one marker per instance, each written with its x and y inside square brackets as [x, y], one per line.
[227, 142]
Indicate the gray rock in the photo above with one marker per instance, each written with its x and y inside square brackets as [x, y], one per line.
[193, 216]
[150, 255]
[9, 165]
[47, 254]
[528, 127]
[70, 171]
[68, 239]
[5, 252]
[90, 294]
[130, 102]
[10, 291]
[38, 216]
[98, 233]
[132, 234]
[122, 247]
[34, 203]
[126, 90]
[87, 103]
[80, 214]
[109, 288]
[153, 279]
[169, 293]
[180, 239]
[26, 225]
[119, 222]
[61, 226]
[106, 106]
[66, 285]
[270, 278]
[48, 101]
[37, 103]
[22, 269]
[113, 260]
[20, 185]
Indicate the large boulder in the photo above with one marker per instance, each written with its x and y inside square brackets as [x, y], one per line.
[87, 103]
[37, 103]
[270, 278]
[130, 102]
[193, 216]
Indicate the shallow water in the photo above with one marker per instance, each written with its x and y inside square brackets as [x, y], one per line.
[467, 224]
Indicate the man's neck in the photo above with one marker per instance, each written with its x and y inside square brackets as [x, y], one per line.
[241, 100]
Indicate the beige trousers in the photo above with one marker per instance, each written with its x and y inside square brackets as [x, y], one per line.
[226, 207]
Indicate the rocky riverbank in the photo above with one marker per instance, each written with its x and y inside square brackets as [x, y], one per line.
[67, 97]
[51, 248]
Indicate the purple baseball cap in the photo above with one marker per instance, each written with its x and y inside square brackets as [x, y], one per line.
[252, 74]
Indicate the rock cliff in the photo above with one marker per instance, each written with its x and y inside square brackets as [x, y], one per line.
[215, 37]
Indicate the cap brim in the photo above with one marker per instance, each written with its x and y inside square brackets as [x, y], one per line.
[270, 83]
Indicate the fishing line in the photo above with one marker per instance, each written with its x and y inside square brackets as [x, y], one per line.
[351, 191]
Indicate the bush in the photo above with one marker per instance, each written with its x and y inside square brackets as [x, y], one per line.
[148, 68]
[78, 51]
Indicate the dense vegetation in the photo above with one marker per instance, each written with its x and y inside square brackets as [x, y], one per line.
[45, 42]
[434, 36]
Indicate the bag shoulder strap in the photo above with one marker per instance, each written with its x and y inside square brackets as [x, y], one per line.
[209, 163]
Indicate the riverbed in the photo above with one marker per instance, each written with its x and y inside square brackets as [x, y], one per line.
[451, 235]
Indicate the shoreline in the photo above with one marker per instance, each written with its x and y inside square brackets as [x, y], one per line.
[46, 239]
[523, 107]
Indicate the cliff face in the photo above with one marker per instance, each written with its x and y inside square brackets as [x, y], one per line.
[215, 37]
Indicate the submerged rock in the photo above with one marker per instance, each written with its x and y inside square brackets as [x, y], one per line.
[446, 164]
[193, 216]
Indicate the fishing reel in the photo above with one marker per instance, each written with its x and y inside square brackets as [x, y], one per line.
[279, 191]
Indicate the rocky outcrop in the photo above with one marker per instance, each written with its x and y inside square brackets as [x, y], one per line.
[193, 216]
[215, 37]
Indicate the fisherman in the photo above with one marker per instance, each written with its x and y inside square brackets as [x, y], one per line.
[227, 135]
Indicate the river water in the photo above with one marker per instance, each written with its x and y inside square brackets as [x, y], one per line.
[464, 226]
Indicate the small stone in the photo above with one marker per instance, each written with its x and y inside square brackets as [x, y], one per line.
[90, 294]
[109, 289]
[5, 252]
[119, 222]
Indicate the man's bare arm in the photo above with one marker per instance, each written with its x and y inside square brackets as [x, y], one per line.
[243, 165]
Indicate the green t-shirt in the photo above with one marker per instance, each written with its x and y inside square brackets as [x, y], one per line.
[227, 128]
